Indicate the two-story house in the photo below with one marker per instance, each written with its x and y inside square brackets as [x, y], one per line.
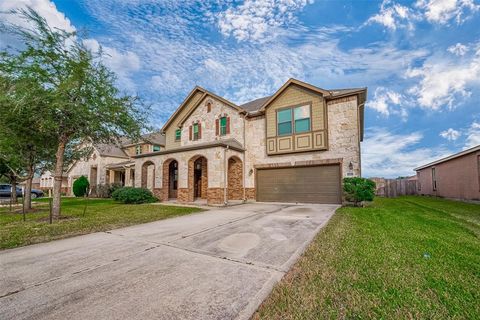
[293, 146]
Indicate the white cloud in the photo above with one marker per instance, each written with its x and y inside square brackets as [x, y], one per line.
[443, 11]
[450, 134]
[443, 81]
[473, 135]
[122, 63]
[256, 20]
[45, 8]
[393, 15]
[385, 101]
[385, 154]
[458, 49]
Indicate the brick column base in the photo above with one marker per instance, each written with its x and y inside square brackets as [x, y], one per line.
[159, 193]
[183, 195]
[215, 196]
[250, 194]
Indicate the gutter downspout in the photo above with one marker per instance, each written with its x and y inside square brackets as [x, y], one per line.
[225, 168]
[244, 167]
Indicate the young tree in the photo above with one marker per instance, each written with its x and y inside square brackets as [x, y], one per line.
[84, 103]
[24, 146]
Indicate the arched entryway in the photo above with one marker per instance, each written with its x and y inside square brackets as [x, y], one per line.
[148, 175]
[170, 179]
[235, 178]
[197, 178]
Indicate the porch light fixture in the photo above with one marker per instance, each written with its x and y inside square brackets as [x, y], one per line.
[250, 172]
[350, 166]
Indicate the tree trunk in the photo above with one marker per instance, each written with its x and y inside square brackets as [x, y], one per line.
[58, 178]
[28, 189]
[13, 195]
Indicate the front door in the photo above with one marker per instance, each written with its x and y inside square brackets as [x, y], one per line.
[197, 183]
[172, 179]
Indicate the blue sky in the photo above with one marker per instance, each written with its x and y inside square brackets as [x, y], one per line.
[419, 59]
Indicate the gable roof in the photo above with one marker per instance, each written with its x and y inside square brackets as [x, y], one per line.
[287, 84]
[205, 96]
[451, 157]
[110, 150]
[254, 105]
[181, 106]
[205, 93]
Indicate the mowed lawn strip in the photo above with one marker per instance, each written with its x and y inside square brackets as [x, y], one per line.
[410, 257]
[98, 215]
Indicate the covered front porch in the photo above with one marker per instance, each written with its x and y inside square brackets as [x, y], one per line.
[212, 175]
[122, 174]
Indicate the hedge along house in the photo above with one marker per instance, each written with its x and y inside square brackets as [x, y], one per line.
[456, 176]
[293, 146]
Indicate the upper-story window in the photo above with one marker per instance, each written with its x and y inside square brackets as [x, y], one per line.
[209, 106]
[156, 148]
[138, 149]
[178, 134]
[223, 126]
[197, 131]
[292, 120]
[434, 179]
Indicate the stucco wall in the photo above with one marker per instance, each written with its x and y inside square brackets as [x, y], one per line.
[457, 178]
[343, 134]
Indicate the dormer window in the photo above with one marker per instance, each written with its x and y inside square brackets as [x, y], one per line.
[138, 149]
[178, 134]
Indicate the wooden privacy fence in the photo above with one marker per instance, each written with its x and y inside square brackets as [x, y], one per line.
[392, 188]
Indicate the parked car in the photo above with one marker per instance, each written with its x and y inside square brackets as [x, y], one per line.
[6, 191]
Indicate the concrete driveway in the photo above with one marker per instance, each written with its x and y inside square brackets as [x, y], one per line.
[220, 264]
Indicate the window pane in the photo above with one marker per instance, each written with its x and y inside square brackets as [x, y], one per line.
[156, 148]
[302, 125]
[285, 128]
[284, 115]
[223, 121]
[195, 128]
[301, 112]
[178, 134]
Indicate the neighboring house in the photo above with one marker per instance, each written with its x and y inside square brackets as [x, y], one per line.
[456, 176]
[107, 163]
[293, 146]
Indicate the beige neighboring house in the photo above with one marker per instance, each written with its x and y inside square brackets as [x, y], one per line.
[107, 164]
[293, 146]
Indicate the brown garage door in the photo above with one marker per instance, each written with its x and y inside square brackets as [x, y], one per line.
[316, 184]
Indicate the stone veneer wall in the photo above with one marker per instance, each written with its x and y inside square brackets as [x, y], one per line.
[235, 179]
[343, 142]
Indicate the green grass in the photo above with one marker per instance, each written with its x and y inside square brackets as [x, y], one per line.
[100, 215]
[404, 258]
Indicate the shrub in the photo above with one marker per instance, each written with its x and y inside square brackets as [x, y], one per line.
[106, 190]
[358, 189]
[80, 186]
[133, 195]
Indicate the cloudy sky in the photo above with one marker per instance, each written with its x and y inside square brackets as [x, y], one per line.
[419, 59]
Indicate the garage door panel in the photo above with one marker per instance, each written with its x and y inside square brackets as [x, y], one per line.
[315, 184]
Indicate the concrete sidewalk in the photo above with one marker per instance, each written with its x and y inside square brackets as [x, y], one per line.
[220, 264]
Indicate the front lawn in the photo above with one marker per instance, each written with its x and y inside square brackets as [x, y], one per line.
[99, 215]
[404, 258]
